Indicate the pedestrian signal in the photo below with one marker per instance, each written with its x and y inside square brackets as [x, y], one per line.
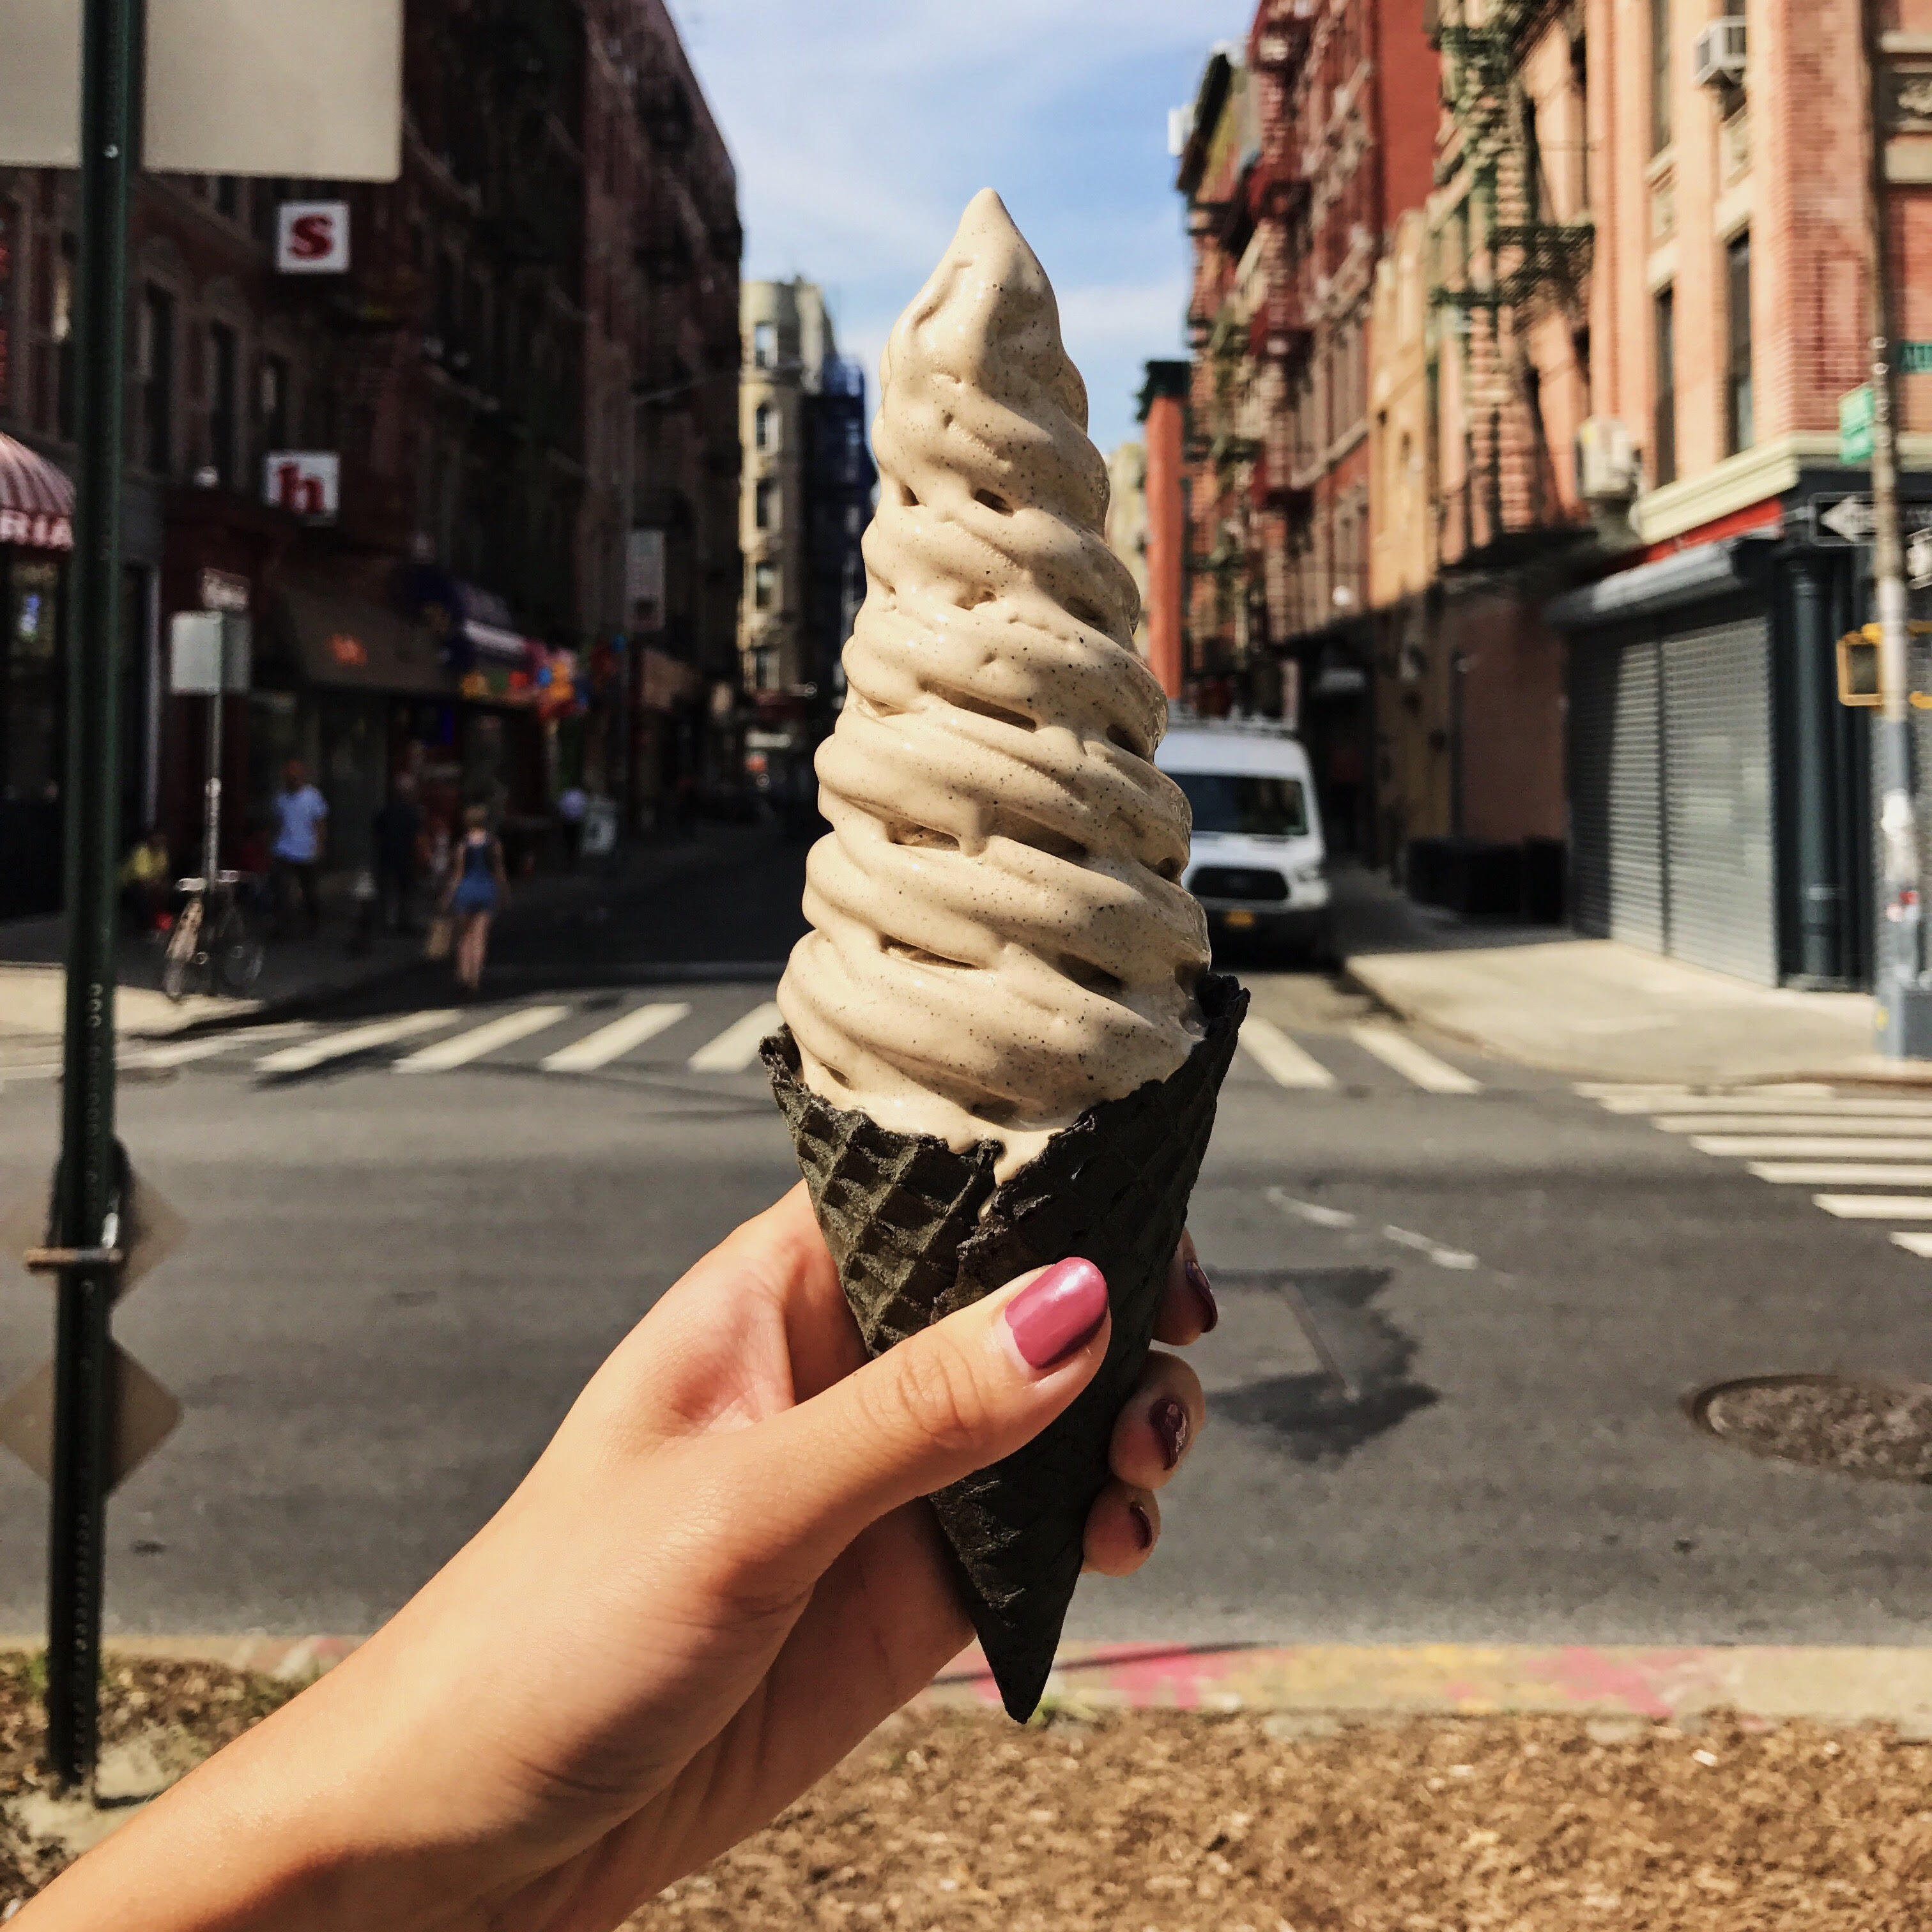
[1859, 679]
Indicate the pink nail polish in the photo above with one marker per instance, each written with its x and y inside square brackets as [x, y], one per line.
[1143, 1525]
[1170, 1428]
[1210, 1310]
[1058, 1312]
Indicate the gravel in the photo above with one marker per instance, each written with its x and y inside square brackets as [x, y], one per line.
[1172, 1821]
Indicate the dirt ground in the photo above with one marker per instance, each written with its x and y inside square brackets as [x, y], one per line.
[1167, 1822]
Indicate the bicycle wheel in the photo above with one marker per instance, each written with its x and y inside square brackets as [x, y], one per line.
[236, 952]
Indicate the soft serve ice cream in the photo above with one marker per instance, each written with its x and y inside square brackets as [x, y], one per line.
[999, 940]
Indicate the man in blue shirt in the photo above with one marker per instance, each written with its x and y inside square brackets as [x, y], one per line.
[301, 836]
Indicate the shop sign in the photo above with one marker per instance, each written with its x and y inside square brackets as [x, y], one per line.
[644, 595]
[222, 590]
[36, 530]
[306, 483]
[312, 237]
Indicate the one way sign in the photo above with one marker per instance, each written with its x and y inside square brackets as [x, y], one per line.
[1851, 520]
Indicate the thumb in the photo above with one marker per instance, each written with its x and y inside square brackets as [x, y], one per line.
[944, 1402]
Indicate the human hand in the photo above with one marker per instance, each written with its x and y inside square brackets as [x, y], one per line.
[715, 1582]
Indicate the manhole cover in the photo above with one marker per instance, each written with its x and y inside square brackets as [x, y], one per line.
[1859, 1427]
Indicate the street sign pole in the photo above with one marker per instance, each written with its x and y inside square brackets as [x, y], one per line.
[1904, 997]
[86, 1203]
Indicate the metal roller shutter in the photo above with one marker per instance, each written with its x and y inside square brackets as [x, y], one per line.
[1717, 812]
[1616, 791]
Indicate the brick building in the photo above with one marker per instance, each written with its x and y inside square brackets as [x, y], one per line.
[430, 562]
[1163, 413]
[1719, 795]
[1303, 151]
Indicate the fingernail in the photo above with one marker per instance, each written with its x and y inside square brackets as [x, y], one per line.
[1170, 1424]
[1057, 1313]
[1143, 1525]
[1210, 1310]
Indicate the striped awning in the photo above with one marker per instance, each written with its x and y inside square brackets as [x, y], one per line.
[36, 499]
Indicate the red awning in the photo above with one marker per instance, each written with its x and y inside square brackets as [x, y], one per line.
[36, 499]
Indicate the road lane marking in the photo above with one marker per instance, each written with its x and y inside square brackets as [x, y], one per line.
[1285, 1063]
[1841, 1173]
[1792, 1124]
[1801, 1147]
[1876, 1207]
[460, 1050]
[1416, 1064]
[1313, 1212]
[1914, 1243]
[736, 1047]
[1423, 1244]
[357, 1039]
[599, 1048]
[1744, 1106]
[1681, 1100]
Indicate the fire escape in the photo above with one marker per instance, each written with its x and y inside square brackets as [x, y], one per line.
[1519, 263]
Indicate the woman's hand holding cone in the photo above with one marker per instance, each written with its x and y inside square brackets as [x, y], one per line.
[713, 1585]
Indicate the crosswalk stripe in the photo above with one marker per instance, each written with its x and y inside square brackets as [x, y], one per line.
[1415, 1064]
[1876, 1207]
[736, 1047]
[463, 1047]
[599, 1048]
[1745, 1106]
[1914, 1243]
[181, 1053]
[1792, 1124]
[1842, 1173]
[1800, 1146]
[1285, 1063]
[357, 1039]
[1688, 1099]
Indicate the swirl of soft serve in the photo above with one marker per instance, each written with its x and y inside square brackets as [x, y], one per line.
[999, 939]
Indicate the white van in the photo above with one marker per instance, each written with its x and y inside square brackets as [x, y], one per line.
[1259, 865]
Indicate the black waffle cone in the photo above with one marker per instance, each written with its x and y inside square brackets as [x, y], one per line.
[918, 1230]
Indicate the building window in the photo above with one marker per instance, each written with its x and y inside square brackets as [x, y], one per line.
[275, 403]
[222, 359]
[1659, 76]
[157, 381]
[764, 586]
[63, 335]
[764, 345]
[1740, 428]
[1663, 428]
[766, 502]
[765, 427]
[764, 668]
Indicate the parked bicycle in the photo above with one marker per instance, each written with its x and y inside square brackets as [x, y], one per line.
[215, 944]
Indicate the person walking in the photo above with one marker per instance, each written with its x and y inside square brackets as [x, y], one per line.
[475, 894]
[302, 837]
[398, 830]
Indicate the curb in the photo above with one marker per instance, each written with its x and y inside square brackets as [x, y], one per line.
[1844, 1685]
[1412, 1015]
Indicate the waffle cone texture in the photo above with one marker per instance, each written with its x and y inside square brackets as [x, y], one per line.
[918, 1230]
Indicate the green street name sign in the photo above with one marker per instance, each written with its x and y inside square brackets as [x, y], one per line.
[1855, 426]
[1914, 359]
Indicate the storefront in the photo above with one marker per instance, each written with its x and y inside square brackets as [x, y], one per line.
[36, 538]
[1718, 792]
[358, 694]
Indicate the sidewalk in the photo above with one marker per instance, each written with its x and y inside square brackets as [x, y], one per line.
[298, 972]
[1594, 1008]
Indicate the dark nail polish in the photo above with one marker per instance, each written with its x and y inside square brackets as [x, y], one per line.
[1210, 1310]
[1058, 1313]
[1143, 1525]
[1170, 1425]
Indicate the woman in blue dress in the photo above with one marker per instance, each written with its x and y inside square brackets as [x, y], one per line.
[475, 893]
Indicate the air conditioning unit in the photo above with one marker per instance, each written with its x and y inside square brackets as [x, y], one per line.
[1717, 56]
[1606, 464]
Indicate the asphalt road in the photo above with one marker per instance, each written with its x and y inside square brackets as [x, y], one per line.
[1446, 1392]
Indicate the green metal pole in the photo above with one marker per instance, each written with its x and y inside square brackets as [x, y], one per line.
[85, 1184]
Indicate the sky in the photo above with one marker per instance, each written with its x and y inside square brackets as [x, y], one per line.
[861, 129]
